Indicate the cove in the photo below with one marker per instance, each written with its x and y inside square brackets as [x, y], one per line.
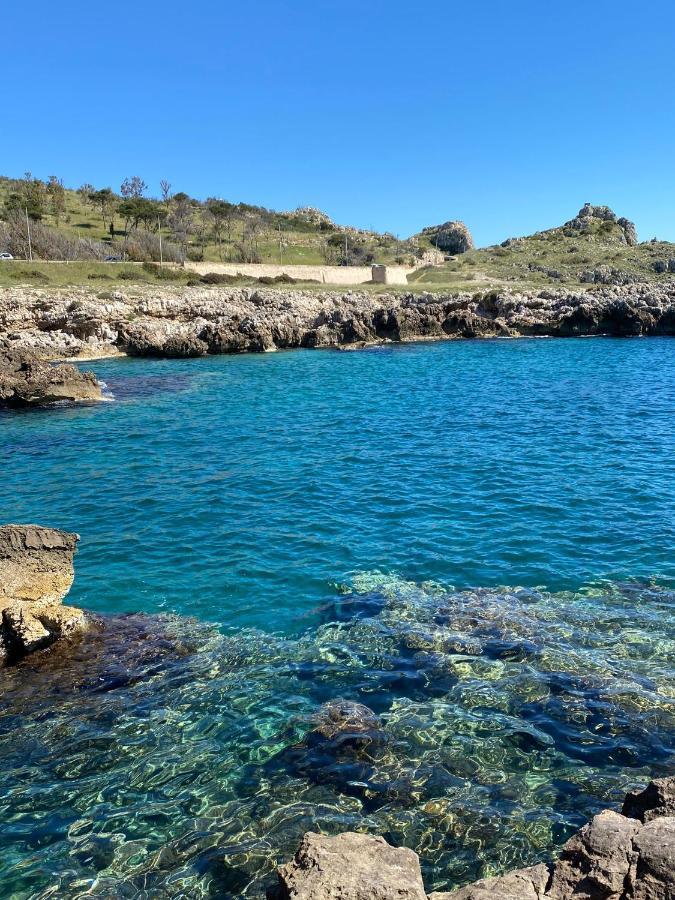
[472, 538]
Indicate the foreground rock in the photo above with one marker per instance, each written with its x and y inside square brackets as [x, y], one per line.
[629, 856]
[26, 380]
[349, 867]
[192, 321]
[36, 572]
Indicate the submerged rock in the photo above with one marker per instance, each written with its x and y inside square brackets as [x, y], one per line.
[36, 572]
[26, 380]
[614, 857]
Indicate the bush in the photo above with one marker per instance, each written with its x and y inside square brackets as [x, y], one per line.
[219, 278]
[164, 273]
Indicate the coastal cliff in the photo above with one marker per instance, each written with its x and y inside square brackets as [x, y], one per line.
[184, 322]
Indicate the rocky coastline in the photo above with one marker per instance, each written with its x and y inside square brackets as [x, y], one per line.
[26, 381]
[617, 856]
[191, 322]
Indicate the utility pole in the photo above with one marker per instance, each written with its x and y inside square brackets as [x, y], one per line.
[159, 228]
[281, 251]
[30, 249]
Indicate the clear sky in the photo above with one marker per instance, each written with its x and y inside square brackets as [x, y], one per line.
[391, 115]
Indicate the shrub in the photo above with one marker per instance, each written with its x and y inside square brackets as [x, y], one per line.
[218, 278]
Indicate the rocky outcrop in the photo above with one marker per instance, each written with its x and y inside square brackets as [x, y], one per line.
[184, 322]
[627, 856]
[589, 213]
[349, 867]
[451, 237]
[26, 380]
[36, 572]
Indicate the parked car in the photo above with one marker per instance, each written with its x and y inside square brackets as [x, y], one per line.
[6, 256]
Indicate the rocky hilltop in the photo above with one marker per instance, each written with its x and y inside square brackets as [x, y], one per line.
[180, 322]
[36, 572]
[617, 856]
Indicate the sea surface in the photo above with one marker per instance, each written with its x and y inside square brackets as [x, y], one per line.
[475, 540]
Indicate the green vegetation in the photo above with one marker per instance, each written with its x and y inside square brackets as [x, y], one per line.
[91, 223]
[596, 253]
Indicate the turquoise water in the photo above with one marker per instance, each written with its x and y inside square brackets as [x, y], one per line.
[475, 539]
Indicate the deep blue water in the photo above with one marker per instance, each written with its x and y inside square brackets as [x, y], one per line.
[251, 493]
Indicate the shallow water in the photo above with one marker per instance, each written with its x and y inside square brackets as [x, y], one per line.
[243, 491]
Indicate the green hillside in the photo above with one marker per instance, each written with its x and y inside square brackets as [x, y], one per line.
[211, 230]
[586, 251]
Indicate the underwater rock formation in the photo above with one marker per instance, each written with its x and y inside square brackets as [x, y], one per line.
[26, 380]
[614, 857]
[36, 572]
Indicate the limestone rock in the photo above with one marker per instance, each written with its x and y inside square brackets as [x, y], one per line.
[653, 877]
[657, 799]
[349, 867]
[451, 237]
[595, 863]
[36, 572]
[26, 380]
[522, 884]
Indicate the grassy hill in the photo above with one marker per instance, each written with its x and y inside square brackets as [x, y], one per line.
[240, 233]
[586, 251]
[596, 247]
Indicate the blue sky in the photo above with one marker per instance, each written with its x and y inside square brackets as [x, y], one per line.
[391, 115]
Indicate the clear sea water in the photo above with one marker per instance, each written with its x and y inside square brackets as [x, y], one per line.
[474, 539]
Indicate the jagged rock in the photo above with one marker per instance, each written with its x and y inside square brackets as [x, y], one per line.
[26, 380]
[190, 321]
[595, 862]
[628, 856]
[349, 867]
[657, 799]
[588, 211]
[452, 237]
[36, 572]
[523, 884]
[653, 875]
[180, 345]
[660, 266]
[629, 231]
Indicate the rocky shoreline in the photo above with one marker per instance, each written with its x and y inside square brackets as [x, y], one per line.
[617, 856]
[26, 380]
[186, 322]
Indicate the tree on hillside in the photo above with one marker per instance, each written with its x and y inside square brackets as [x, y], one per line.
[139, 210]
[57, 197]
[85, 191]
[219, 214]
[165, 187]
[133, 187]
[104, 200]
[180, 219]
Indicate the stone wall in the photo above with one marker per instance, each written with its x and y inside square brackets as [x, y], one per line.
[323, 274]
